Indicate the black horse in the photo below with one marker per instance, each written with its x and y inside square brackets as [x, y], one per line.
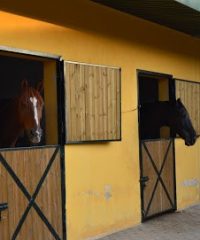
[173, 114]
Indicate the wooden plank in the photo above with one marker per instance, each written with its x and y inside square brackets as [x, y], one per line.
[109, 105]
[74, 103]
[96, 99]
[118, 104]
[88, 107]
[168, 177]
[68, 79]
[114, 103]
[104, 75]
[197, 97]
[78, 103]
[148, 170]
[81, 102]
[16, 200]
[91, 104]
[4, 223]
[49, 197]
[101, 105]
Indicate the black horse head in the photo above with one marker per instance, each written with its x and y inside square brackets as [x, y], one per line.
[183, 125]
[155, 115]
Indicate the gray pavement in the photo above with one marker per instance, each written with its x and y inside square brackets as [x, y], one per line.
[183, 225]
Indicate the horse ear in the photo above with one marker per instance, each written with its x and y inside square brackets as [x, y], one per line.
[40, 87]
[24, 84]
[178, 101]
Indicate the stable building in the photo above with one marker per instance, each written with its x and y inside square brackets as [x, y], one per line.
[93, 173]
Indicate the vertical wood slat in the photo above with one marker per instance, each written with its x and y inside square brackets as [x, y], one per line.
[92, 102]
[88, 110]
[189, 92]
[104, 103]
[68, 78]
[118, 107]
[96, 100]
[149, 171]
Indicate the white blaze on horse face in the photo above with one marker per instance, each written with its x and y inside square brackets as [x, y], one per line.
[34, 102]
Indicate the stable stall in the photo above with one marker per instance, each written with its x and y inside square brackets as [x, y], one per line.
[93, 173]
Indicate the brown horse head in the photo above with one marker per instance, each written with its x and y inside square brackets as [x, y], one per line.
[30, 108]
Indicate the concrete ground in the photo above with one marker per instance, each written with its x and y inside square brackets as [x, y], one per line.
[183, 225]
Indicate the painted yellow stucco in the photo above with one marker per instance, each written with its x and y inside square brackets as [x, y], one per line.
[188, 174]
[102, 180]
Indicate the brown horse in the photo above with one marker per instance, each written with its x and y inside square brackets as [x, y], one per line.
[22, 115]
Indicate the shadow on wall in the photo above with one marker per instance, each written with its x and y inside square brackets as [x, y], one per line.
[97, 19]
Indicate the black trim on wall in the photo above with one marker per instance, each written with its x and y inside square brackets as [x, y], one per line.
[61, 102]
[61, 139]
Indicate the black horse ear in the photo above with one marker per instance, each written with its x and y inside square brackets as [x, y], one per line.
[24, 84]
[40, 87]
[179, 101]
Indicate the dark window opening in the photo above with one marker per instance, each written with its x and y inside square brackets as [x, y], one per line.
[14, 69]
[153, 88]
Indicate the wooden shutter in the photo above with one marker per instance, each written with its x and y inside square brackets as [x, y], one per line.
[92, 104]
[189, 92]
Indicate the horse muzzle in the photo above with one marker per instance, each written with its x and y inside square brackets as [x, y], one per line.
[191, 141]
[35, 135]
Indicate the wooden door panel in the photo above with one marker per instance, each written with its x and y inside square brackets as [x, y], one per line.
[32, 188]
[52, 203]
[149, 172]
[167, 176]
[157, 167]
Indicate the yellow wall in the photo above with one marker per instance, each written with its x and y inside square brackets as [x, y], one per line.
[103, 193]
[188, 174]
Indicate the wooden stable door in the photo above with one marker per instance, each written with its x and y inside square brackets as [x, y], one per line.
[157, 177]
[30, 195]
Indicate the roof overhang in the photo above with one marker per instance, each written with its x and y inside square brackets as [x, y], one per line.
[181, 15]
[195, 4]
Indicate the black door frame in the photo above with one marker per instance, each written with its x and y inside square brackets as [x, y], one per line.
[158, 173]
[172, 96]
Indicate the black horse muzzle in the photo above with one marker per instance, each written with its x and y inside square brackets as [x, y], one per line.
[191, 141]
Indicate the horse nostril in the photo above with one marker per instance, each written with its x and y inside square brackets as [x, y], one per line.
[40, 131]
[32, 132]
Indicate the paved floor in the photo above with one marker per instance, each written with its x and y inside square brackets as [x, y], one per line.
[184, 225]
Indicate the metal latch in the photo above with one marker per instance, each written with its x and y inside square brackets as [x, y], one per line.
[3, 206]
[143, 181]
